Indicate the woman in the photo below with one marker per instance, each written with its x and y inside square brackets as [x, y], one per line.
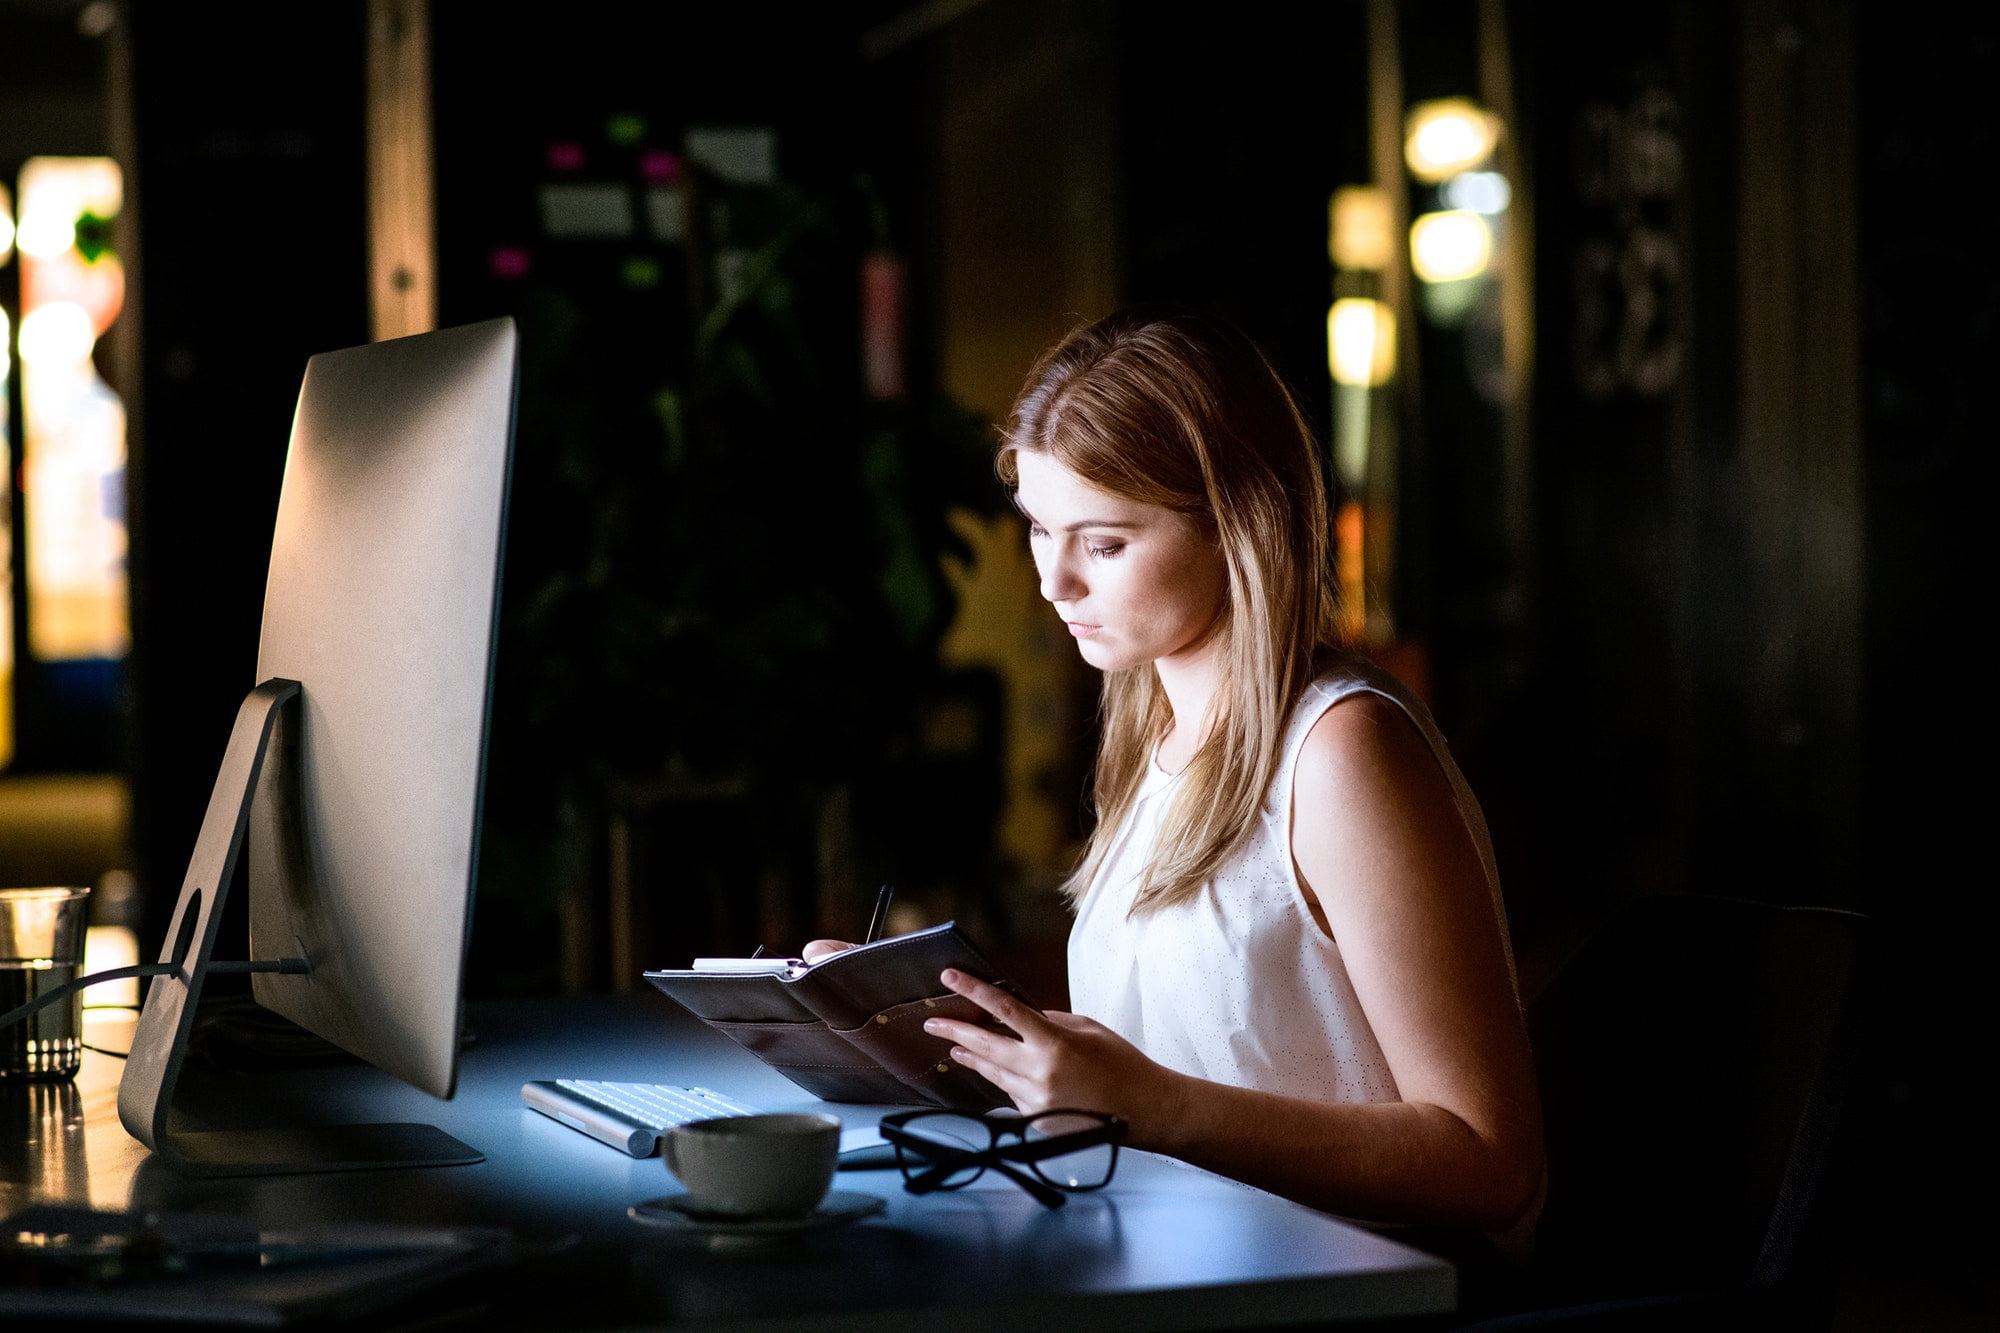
[1289, 963]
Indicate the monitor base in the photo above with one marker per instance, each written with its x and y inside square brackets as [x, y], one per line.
[276, 1152]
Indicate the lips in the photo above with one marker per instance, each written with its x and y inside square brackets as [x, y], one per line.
[1081, 630]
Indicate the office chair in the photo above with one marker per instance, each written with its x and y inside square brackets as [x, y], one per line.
[1702, 1063]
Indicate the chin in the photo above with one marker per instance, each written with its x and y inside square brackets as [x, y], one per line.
[1093, 654]
[1103, 657]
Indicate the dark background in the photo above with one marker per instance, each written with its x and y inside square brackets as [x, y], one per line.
[1659, 692]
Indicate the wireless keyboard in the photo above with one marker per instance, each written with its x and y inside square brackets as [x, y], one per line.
[628, 1116]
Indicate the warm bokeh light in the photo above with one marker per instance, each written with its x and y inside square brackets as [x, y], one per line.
[6, 539]
[1445, 137]
[56, 191]
[96, 285]
[1479, 191]
[1350, 530]
[45, 233]
[1450, 246]
[56, 334]
[106, 947]
[1361, 341]
[6, 224]
[72, 468]
[1360, 233]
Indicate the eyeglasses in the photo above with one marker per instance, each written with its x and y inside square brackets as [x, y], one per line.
[1061, 1150]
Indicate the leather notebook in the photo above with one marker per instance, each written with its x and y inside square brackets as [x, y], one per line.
[850, 1028]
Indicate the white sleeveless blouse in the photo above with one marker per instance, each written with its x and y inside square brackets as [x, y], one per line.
[1240, 985]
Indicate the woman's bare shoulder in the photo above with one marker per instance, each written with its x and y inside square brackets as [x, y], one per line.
[1365, 729]
[1367, 773]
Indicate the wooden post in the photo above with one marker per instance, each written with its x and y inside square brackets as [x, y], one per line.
[402, 233]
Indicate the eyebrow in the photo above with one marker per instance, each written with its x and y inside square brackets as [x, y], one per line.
[1083, 523]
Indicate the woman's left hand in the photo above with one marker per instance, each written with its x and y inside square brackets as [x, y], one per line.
[1059, 1060]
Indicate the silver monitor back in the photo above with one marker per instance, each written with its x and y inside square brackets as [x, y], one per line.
[383, 603]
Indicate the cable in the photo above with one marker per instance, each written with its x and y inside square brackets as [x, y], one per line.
[294, 966]
[69, 988]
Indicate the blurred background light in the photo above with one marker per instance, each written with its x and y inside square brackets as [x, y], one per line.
[72, 464]
[59, 190]
[509, 261]
[46, 233]
[660, 167]
[6, 533]
[1445, 137]
[1361, 341]
[1450, 246]
[56, 334]
[640, 272]
[1361, 232]
[1479, 191]
[106, 947]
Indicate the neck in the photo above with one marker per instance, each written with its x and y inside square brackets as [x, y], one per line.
[1191, 684]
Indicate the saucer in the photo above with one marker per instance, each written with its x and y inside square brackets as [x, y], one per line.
[671, 1213]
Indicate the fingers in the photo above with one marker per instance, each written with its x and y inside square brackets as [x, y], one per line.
[1021, 1017]
[973, 1034]
[818, 949]
[1019, 1066]
[1021, 1090]
[973, 1037]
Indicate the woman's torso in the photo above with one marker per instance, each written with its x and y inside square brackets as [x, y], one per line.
[1241, 984]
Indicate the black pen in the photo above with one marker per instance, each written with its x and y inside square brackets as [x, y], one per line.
[881, 917]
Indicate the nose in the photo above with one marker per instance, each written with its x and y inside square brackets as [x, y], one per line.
[1060, 581]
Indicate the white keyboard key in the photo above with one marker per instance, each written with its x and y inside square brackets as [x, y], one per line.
[628, 1116]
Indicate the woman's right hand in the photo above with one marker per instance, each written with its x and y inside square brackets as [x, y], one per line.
[815, 950]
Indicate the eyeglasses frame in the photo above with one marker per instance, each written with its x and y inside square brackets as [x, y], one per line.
[1001, 1157]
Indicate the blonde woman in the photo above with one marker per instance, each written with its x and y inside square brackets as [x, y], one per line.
[1290, 962]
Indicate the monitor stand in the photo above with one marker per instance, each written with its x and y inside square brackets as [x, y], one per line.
[159, 1043]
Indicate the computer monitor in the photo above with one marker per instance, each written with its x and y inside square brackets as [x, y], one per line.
[356, 764]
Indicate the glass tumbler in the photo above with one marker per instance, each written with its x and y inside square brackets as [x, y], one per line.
[41, 948]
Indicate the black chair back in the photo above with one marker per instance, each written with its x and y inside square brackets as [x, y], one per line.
[1701, 1062]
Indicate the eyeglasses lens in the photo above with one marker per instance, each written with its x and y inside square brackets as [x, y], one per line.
[950, 1134]
[1082, 1169]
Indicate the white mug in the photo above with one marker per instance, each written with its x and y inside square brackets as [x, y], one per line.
[754, 1165]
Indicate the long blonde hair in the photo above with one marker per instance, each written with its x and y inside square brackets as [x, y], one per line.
[1182, 411]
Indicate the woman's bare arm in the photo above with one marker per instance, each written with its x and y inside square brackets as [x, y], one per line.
[1386, 858]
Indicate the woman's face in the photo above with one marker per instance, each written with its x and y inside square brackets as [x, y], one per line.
[1134, 583]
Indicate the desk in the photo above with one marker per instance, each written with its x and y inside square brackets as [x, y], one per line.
[1165, 1246]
